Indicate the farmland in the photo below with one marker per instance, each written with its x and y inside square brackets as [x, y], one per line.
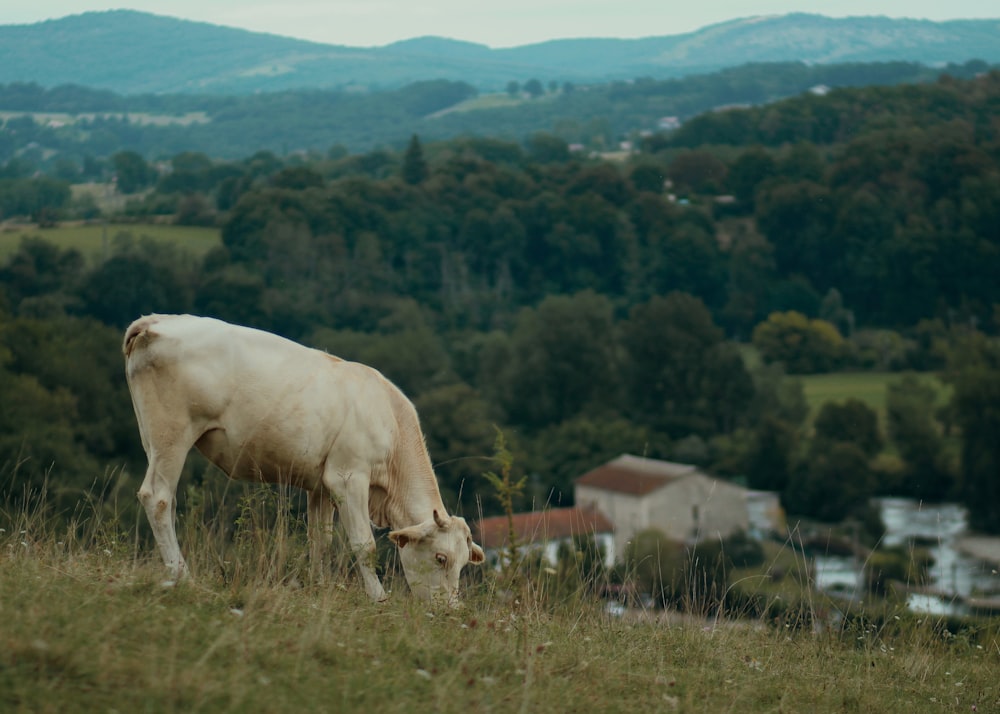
[96, 240]
[868, 387]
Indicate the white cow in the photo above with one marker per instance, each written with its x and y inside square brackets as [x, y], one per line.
[263, 408]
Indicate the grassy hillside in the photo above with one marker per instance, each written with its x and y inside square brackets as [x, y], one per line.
[94, 240]
[89, 626]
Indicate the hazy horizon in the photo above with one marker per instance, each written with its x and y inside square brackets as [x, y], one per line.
[361, 23]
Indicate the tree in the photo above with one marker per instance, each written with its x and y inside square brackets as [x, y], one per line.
[534, 88]
[802, 163]
[40, 268]
[513, 88]
[804, 346]
[798, 219]
[648, 176]
[851, 421]
[563, 360]
[414, 168]
[976, 404]
[689, 261]
[752, 168]
[129, 285]
[834, 480]
[912, 428]
[559, 454]
[697, 171]
[79, 357]
[297, 178]
[548, 148]
[132, 172]
[674, 359]
[458, 427]
[770, 457]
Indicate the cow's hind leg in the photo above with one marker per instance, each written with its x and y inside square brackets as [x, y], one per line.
[320, 530]
[350, 490]
[158, 495]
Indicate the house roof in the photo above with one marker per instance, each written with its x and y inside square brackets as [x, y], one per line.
[635, 475]
[540, 526]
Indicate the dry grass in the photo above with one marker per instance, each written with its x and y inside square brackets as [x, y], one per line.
[88, 625]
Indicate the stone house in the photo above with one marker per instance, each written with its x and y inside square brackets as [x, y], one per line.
[687, 505]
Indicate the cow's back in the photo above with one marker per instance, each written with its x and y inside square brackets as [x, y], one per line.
[257, 405]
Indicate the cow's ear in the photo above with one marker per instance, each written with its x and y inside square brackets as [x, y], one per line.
[412, 534]
[476, 554]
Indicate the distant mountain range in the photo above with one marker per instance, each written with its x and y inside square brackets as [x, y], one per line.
[132, 52]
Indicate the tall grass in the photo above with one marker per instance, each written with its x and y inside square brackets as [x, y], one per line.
[88, 625]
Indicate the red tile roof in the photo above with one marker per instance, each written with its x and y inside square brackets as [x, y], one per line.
[635, 475]
[540, 526]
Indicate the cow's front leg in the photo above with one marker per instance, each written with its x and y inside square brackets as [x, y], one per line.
[350, 490]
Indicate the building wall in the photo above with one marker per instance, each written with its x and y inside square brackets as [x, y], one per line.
[550, 550]
[630, 514]
[699, 507]
[687, 510]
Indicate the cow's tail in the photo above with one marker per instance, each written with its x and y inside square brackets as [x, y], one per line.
[138, 334]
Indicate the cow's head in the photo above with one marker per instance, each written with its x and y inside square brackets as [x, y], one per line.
[433, 554]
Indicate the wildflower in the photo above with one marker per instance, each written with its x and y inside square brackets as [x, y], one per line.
[423, 673]
[236, 612]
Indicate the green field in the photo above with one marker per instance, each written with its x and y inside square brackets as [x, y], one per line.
[868, 387]
[95, 240]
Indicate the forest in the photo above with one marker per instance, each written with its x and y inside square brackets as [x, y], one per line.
[661, 304]
[93, 124]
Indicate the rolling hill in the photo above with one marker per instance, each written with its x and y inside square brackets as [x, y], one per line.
[132, 52]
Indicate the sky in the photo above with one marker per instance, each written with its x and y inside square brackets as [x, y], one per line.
[497, 23]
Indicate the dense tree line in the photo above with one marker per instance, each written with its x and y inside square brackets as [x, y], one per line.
[585, 307]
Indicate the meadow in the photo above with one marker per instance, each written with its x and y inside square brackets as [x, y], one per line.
[88, 624]
[96, 240]
[868, 387]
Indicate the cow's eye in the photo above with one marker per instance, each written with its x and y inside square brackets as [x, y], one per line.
[441, 559]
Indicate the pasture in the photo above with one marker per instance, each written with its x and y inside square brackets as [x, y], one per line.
[868, 387]
[88, 625]
[96, 240]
